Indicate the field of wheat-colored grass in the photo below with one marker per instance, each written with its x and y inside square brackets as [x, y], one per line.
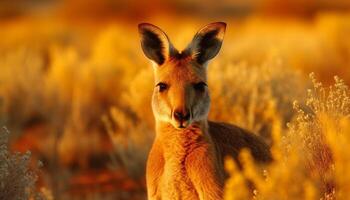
[78, 96]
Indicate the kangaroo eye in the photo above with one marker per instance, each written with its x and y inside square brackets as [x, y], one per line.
[162, 87]
[200, 86]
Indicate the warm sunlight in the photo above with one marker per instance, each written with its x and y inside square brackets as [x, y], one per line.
[83, 93]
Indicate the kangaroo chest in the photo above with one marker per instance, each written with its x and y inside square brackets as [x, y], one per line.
[175, 181]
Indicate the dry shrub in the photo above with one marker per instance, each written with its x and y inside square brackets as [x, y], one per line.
[131, 142]
[94, 85]
[68, 78]
[309, 158]
[17, 180]
[254, 97]
[21, 85]
[130, 127]
[338, 138]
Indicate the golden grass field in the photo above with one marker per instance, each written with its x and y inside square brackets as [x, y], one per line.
[77, 95]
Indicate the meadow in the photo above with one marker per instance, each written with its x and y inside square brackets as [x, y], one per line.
[77, 95]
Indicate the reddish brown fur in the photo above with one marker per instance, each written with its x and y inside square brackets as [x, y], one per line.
[187, 157]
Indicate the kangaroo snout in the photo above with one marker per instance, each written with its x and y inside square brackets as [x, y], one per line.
[182, 117]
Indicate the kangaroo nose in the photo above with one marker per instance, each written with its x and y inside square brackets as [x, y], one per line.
[182, 115]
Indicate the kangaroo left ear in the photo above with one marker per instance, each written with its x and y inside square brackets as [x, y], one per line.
[207, 42]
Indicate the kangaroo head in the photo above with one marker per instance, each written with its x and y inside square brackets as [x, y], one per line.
[181, 96]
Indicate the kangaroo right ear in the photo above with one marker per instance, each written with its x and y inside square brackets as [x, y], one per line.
[155, 43]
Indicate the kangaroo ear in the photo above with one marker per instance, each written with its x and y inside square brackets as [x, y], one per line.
[207, 42]
[155, 43]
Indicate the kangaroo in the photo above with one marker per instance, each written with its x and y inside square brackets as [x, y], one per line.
[186, 160]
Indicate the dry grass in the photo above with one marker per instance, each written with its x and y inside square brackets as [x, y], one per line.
[309, 157]
[83, 93]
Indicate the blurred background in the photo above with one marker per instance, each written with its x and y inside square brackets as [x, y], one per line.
[75, 86]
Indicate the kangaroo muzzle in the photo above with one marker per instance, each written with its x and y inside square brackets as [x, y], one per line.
[181, 118]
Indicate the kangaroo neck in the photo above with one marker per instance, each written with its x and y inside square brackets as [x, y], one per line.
[171, 137]
[168, 130]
